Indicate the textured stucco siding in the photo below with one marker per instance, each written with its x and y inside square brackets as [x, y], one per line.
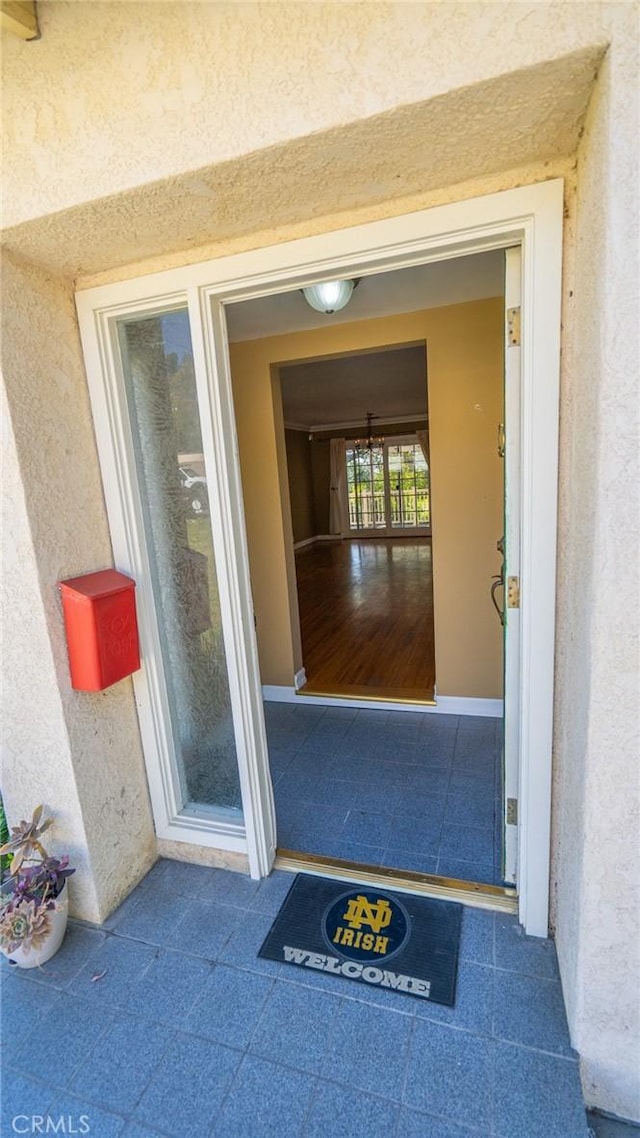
[523, 117]
[596, 848]
[133, 93]
[292, 119]
[36, 763]
[78, 751]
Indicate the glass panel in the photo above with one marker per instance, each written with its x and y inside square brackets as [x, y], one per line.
[165, 423]
[365, 488]
[409, 486]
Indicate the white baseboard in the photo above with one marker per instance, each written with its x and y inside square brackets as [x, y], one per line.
[466, 705]
[317, 537]
[446, 705]
[300, 679]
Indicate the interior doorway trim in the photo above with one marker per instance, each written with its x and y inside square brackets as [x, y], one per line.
[446, 705]
[529, 216]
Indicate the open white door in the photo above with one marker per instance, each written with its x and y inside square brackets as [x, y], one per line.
[511, 568]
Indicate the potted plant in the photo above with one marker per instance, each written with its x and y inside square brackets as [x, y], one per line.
[34, 905]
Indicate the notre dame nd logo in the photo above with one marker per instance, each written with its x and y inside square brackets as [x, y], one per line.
[365, 926]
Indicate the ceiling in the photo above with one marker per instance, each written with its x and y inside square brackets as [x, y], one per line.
[391, 383]
[326, 392]
[383, 294]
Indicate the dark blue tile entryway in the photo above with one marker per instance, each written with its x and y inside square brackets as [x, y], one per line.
[148, 1027]
[404, 789]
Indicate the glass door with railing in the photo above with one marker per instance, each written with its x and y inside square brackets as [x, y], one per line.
[388, 488]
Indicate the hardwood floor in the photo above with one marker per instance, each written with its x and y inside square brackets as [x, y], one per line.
[366, 616]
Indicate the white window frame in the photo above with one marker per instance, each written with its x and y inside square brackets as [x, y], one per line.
[530, 216]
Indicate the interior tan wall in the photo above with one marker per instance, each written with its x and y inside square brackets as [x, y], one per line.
[300, 480]
[321, 475]
[464, 363]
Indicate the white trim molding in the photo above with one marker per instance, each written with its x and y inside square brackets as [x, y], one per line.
[316, 538]
[445, 705]
[469, 705]
[359, 425]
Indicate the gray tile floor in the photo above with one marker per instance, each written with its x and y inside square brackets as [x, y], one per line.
[606, 1127]
[166, 1022]
[404, 789]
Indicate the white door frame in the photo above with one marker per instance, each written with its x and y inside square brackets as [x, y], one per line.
[530, 216]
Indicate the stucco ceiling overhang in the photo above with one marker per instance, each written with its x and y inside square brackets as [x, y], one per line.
[526, 116]
[19, 18]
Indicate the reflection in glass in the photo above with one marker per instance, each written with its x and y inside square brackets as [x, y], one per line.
[165, 423]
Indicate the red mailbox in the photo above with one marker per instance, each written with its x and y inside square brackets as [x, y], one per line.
[102, 630]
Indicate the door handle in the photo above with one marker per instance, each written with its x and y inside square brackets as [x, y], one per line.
[498, 583]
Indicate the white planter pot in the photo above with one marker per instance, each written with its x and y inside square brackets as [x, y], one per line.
[58, 918]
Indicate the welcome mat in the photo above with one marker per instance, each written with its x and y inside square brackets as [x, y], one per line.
[369, 936]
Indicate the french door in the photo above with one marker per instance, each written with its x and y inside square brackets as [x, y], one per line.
[388, 489]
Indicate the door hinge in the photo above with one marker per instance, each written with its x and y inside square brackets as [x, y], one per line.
[512, 811]
[513, 327]
[513, 592]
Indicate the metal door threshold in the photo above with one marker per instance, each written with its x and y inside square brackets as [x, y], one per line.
[358, 695]
[501, 898]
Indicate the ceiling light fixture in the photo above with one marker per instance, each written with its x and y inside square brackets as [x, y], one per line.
[330, 296]
[371, 440]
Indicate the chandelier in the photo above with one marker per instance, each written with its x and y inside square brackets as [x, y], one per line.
[371, 440]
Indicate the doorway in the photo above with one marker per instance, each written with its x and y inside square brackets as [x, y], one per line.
[391, 789]
[531, 216]
[359, 498]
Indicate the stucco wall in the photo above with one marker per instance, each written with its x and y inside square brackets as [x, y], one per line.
[596, 849]
[36, 763]
[117, 149]
[96, 110]
[79, 752]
